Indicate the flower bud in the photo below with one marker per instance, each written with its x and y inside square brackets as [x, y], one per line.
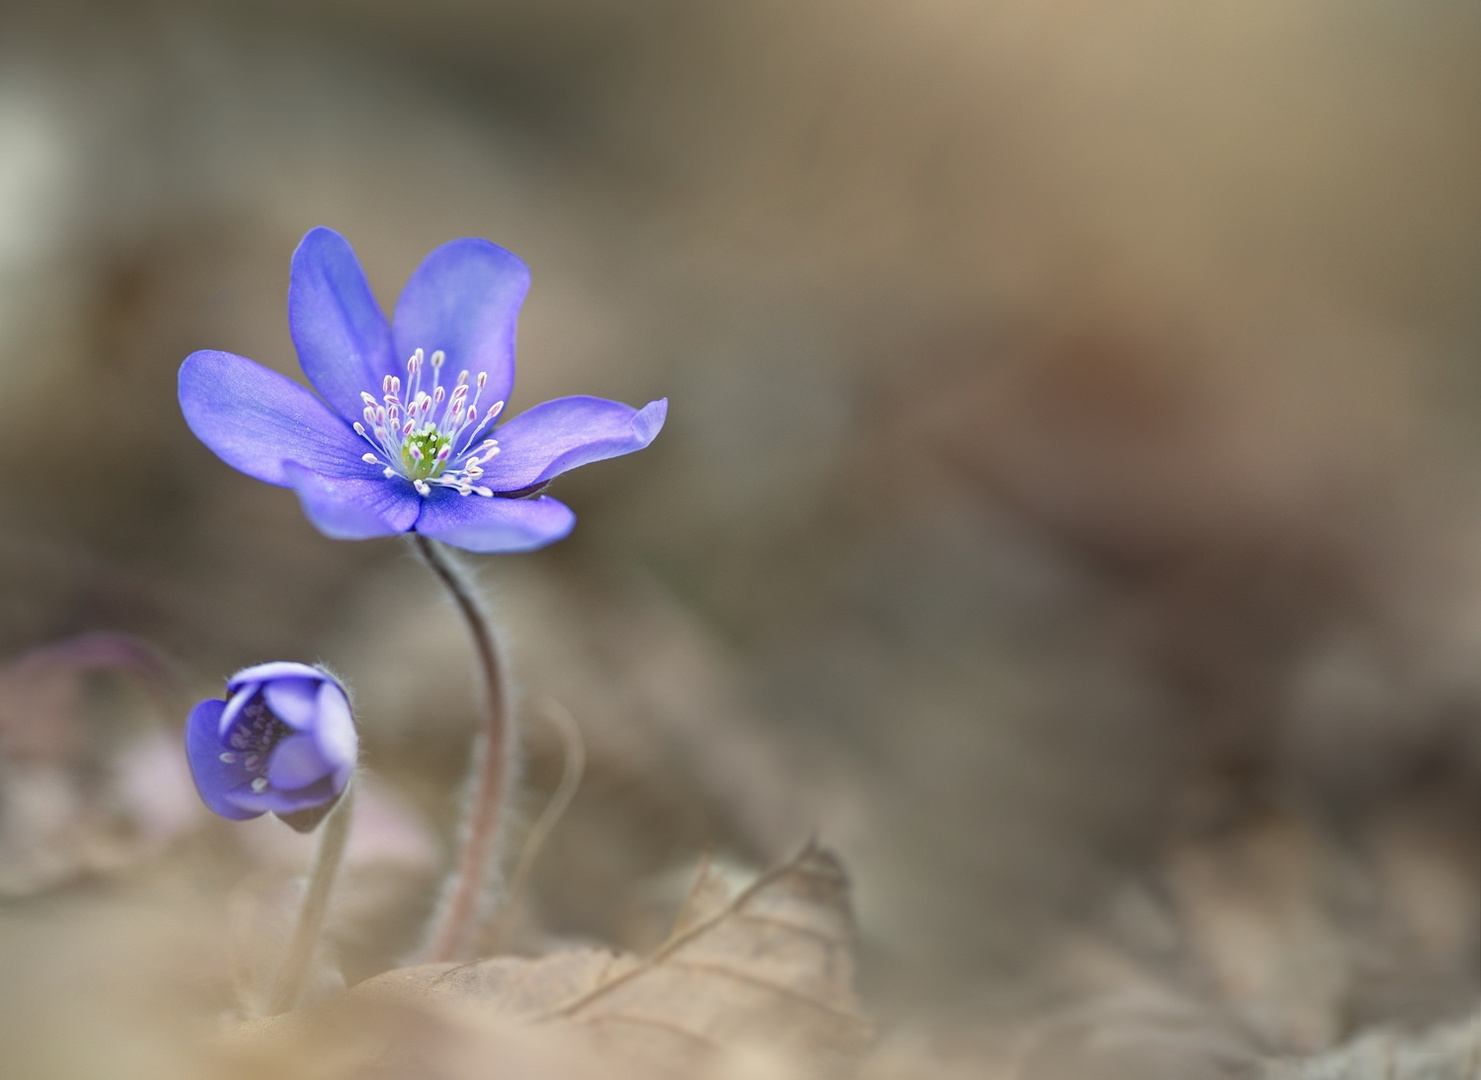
[283, 742]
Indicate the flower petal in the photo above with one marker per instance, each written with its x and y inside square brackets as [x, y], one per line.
[283, 802]
[213, 777]
[335, 732]
[464, 300]
[273, 669]
[342, 337]
[227, 721]
[491, 526]
[255, 420]
[295, 702]
[296, 763]
[354, 508]
[558, 435]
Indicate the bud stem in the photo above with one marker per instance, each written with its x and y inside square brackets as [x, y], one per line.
[315, 904]
[453, 923]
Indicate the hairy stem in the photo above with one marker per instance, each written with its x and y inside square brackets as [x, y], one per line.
[315, 904]
[456, 915]
[573, 767]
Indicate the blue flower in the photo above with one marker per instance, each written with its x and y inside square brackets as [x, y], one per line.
[283, 742]
[403, 444]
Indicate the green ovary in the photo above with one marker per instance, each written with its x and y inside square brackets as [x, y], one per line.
[429, 442]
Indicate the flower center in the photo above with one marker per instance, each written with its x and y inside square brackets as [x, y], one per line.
[430, 437]
[253, 738]
[419, 456]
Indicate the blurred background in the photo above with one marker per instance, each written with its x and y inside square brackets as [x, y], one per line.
[1069, 509]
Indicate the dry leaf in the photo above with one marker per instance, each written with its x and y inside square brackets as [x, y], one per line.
[1255, 906]
[1452, 1052]
[766, 974]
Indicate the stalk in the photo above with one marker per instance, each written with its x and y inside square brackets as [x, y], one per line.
[572, 769]
[458, 911]
[327, 857]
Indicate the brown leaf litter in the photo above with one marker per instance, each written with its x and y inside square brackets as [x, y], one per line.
[761, 981]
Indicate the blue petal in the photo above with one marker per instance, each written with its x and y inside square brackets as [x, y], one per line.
[213, 777]
[464, 300]
[335, 732]
[227, 721]
[493, 526]
[294, 701]
[256, 420]
[284, 802]
[296, 763]
[343, 341]
[558, 435]
[355, 508]
[274, 669]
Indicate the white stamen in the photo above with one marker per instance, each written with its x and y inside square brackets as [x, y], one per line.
[431, 436]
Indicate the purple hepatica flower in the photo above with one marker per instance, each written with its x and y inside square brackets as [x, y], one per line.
[283, 742]
[404, 445]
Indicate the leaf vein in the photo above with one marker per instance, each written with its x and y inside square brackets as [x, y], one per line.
[762, 983]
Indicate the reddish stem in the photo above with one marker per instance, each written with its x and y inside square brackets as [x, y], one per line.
[459, 909]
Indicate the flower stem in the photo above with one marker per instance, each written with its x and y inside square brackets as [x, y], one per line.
[573, 767]
[453, 924]
[315, 904]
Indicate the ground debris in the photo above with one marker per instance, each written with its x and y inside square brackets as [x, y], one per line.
[762, 978]
[1450, 1052]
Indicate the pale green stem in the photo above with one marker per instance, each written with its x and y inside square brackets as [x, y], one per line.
[327, 857]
